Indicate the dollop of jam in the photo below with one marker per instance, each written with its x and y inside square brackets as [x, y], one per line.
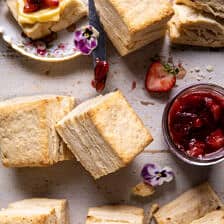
[36, 5]
[196, 123]
[100, 75]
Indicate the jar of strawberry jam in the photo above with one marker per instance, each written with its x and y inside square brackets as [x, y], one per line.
[193, 124]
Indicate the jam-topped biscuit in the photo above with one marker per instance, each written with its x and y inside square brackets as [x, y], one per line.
[40, 20]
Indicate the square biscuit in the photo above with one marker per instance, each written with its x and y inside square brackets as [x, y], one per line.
[27, 134]
[132, 24]
[104, 133]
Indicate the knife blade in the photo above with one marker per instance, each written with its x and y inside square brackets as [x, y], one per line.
[101, 66]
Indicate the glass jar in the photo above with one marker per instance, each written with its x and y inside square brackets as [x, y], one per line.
[207, 159]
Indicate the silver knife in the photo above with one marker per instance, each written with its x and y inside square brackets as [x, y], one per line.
[101, 67]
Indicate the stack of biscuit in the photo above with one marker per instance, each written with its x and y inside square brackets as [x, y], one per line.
[198, 23]
[132, 24]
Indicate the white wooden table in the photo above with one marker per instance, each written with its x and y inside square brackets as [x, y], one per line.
[21, 76]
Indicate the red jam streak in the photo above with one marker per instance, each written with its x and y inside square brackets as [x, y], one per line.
[36, 5]
[100, 75]
[196, 123]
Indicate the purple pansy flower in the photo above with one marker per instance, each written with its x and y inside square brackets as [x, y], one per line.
[86, 39]
[155, 175]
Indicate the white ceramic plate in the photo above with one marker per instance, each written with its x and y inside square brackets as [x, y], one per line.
[60, 49]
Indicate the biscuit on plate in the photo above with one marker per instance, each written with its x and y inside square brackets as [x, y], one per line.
[191, 27]
[36, 26]
[132, 24]
[104, 133]
[27, 130]
[118, 214]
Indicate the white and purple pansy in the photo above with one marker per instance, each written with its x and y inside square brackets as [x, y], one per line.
[86, 39]
[155, 175]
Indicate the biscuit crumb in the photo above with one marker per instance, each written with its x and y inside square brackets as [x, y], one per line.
[197, 69]
[143, 190]
[210, 68]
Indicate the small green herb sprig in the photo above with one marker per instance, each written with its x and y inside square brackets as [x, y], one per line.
[171, 69]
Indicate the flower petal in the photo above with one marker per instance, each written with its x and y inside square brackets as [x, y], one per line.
[149, 170]
[86, 42]
[160, 181]
[155, 176]
[169, 174]
[154, 182]
[93, 43]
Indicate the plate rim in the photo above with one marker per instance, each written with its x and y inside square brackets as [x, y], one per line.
[8, 39]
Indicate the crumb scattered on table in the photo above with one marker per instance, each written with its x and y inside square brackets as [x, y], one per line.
[146, 103]
[210, 68]
[143, 190]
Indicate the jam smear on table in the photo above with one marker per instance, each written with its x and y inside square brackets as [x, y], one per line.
[196, 123]
[36, 5]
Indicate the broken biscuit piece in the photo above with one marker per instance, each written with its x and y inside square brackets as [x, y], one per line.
[143, 190]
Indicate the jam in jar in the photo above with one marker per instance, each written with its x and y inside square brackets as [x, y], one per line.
[196, 122]
[193, 124]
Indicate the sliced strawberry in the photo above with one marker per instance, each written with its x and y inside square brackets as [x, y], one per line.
[159, 79]
[28, 8]
[35, 5]
[215, 140]
[51, 3]
[196, 148]
[214, 108]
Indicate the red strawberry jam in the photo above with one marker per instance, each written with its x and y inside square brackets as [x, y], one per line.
[36, 5]
[196, 122]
